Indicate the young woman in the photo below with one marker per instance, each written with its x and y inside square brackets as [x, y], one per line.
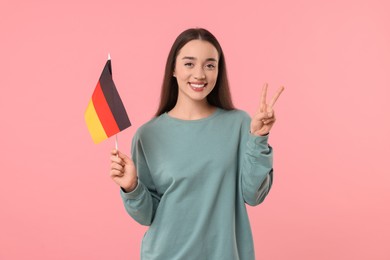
[197, 163]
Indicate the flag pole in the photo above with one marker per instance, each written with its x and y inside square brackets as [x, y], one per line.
[116, 136]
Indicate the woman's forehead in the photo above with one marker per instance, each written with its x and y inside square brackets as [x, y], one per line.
[198, 49]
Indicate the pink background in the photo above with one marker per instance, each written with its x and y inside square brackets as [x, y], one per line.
[331, 196]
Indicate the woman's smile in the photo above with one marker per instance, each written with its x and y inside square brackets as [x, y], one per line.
[197, 86]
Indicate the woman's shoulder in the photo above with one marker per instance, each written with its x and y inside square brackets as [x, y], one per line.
[149, 126]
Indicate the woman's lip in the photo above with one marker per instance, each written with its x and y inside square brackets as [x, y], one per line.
[198, 82]
[197, 87]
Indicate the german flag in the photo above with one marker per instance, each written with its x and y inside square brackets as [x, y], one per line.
[105, 115]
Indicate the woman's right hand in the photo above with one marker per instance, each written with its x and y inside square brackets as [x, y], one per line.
[123, 171]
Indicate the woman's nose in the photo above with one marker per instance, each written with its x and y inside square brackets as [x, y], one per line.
[199, 74]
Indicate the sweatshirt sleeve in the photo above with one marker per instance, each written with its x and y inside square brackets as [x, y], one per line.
[141, 203]
[256, 167]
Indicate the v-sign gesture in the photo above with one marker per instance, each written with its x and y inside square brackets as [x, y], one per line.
[264, 118]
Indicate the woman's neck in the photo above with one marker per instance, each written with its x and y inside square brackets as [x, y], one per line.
[192, 110]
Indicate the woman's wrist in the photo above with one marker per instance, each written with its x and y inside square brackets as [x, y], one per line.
[131, 187]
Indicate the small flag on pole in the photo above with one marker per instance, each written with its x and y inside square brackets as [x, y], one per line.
[105, 115]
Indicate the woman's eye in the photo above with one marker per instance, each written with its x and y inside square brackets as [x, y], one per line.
[188, 64]
[210, 66]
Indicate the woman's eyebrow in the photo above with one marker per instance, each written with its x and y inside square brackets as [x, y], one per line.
[188, 58]
[193, 58]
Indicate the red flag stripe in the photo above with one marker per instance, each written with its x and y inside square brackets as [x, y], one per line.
[103, 111]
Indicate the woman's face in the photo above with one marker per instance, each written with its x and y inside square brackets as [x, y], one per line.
[196, 70]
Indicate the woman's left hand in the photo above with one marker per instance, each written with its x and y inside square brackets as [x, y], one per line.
[264, 118]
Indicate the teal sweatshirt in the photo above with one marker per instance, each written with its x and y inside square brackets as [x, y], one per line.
[195, 177]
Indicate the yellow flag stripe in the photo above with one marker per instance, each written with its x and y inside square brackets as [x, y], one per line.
[94, 125]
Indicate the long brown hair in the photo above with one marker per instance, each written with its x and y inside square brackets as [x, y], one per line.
[219, 96]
